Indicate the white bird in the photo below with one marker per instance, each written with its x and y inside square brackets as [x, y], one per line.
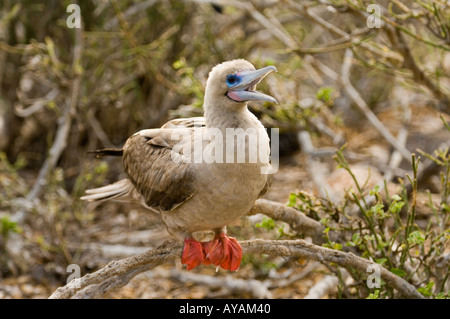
[177, 170]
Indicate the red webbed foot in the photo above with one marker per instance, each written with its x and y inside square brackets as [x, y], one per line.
[193, 254]
[224, 251]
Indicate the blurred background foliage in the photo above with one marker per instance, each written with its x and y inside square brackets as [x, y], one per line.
[136, 64]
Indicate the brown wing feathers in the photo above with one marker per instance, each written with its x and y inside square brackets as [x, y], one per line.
[163, 183]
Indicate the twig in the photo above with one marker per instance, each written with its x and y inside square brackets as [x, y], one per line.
[276, 30]
[325, 285]
[321, 288]
[319, 180]
[365, 109]
[117, 273]
[415, 35]
[396, 157]
[442, 273]
[37, 105]
[344, 35]
[289, 281]
[399, 42]
[98, 129]
[139, 7]
[428, 169]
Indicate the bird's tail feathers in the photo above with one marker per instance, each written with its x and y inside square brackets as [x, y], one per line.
[107, 152]
[121, 190]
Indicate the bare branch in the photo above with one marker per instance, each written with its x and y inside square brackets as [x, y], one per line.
[321, 288]
[118, 273]
[344, 35]
[365, 109]
[324, 286]
[399, 42]
[111, 275]
[319, 180]
[299, 221]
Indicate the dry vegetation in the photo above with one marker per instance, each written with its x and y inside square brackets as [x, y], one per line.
[355, 102]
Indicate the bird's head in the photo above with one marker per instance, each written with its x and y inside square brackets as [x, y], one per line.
[231, 84]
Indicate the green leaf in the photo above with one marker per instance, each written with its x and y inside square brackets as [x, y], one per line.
[416, 237]
[179, 64]
[292, 200]
[442, 295]
[398, 272]
[350, 243]
[381, 261]
[324, 221]
[374, 295]
[396, 207]
[7, 226]
[267, 223]
[377, 210]
[325, 93]
[375, 190]
[427, 290]
[356, 238]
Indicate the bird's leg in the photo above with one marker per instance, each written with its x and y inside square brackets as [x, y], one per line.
[224, 251]
[193, 254]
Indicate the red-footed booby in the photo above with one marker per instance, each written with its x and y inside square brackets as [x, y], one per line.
[195, 194]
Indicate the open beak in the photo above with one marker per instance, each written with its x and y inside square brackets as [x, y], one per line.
[244, 91]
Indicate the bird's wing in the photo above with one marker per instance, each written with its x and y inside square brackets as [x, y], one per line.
[157, 167]
[185, 123]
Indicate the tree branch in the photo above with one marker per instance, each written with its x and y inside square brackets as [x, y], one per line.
[118, 273]
[299, 221]
[399, 42]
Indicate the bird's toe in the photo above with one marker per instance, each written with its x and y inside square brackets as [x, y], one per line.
[193, 254]
[224, 251]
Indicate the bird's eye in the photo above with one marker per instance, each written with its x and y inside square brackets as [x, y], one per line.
[232, 79]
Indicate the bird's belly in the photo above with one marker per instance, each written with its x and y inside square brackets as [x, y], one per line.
[230, 194]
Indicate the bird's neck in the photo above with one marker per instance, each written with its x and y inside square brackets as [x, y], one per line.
[223, 118]
[242, 135]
